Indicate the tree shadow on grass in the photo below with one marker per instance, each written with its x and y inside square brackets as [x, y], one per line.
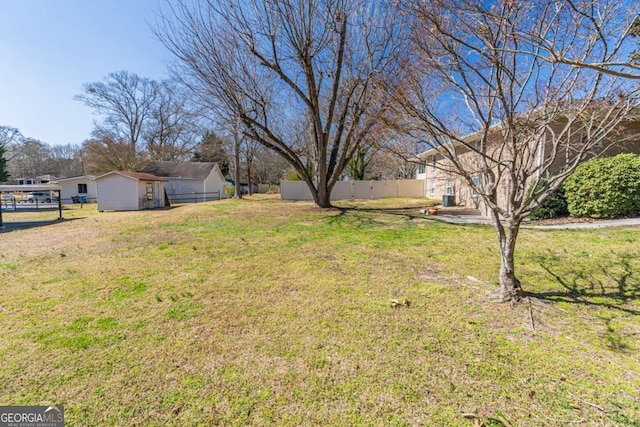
[614, 285]
[410, 213]
[23, 225]
[359, 217]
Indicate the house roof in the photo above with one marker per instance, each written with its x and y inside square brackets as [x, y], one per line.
[184, 170]
[632, 116]
[138, 176]
[72, 178]
[39, 178]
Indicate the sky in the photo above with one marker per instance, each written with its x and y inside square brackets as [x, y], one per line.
[50, 48]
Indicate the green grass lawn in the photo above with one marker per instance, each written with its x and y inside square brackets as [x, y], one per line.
[263, 312]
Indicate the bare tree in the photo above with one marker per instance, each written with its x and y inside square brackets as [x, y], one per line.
[396, 158]
[10, 135]
[65, 160]
[127, 101]
[300, 76]
[106, 152]
[269, 166]
[29, 157]
[155, 118]
[610, 38]
[504, 117]
[170, 133]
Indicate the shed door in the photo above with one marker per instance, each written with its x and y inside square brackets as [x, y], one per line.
[157, 194]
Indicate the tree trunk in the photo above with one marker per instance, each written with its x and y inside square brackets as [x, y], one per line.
[510, 288]
[323, 194]
[237, 191]
[324, 199]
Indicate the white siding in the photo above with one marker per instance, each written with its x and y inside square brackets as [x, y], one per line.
[69, 189]
[117, 193]
[214, 182]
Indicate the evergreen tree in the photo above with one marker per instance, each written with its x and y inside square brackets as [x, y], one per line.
[211, 149]
[4, 175]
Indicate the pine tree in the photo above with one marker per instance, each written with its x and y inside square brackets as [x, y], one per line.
[211, 149]
[4, 175]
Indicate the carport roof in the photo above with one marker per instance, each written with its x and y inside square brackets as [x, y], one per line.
[39, 187]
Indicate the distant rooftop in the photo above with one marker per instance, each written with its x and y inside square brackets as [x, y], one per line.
[187, 170]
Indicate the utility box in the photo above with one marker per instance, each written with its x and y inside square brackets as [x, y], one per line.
[448, 200]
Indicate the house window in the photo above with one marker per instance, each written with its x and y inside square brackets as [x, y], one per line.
[421, 168]
[479, 146]
[82, 188]
[449, 188]
[149, 190]
[476, 183]
[433, 187]
[433, 162]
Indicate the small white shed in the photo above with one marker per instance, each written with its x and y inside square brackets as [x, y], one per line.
[78, 187]
[130, 191]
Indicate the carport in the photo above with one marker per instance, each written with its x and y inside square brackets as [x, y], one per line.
[27, 189]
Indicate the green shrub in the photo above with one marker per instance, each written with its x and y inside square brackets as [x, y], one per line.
[606, 187]
[292, 175]
[554, 206]
[229, 190]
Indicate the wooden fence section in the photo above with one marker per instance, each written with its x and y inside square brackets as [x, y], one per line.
[344, 190]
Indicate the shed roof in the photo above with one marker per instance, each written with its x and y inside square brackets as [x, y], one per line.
[138, 176]
[186, 170]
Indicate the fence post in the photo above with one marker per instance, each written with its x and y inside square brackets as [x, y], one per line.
[60, 205]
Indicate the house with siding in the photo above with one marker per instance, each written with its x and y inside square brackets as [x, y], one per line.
[130, 191]
[189, 181]
[442, 183]
[78, 188]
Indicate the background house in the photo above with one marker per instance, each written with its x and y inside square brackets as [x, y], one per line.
[34, 180]
[78, 188]
[189, 181]
[442, 183]
[130, 191]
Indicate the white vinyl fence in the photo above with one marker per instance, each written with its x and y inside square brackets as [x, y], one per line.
[343, 190]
